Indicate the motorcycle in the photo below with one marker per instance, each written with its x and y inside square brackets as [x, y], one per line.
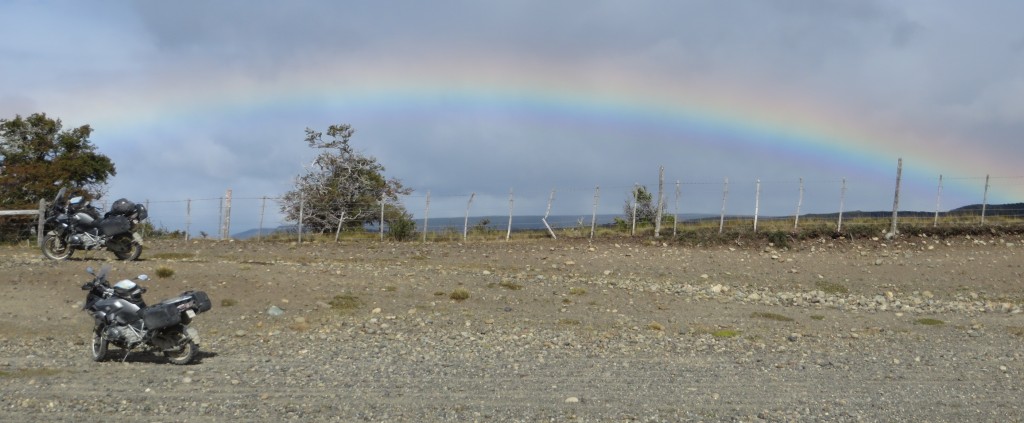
[123, 319]
[73, 224]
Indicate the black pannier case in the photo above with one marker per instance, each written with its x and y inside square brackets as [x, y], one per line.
[161, 315]
[203, 303]
[115, 225]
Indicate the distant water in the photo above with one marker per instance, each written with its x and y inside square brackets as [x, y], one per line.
[519, 223]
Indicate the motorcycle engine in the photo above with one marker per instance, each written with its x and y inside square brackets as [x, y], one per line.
[85, 240]
[126, 334]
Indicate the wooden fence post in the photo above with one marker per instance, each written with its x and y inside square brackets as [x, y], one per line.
[675, 215]
[896, 197]
[593, 214]
[725, 195]
[938, 202]
[551, 199]
[382, 200]
[426, 216]
[842, 203]
[661, 202]
[757, 202]
[636, 192]
[263, 207]
[41, 224]
[984, 201]
[800, 202]
[511, 200]
[465, 223]
[188, 218]
[226, 229]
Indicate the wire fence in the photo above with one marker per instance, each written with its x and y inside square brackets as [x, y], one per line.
[759, 205]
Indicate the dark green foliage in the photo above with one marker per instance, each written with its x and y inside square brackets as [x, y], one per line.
[36, 153]
[401, 226]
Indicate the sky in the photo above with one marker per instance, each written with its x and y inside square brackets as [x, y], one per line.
[514, 100]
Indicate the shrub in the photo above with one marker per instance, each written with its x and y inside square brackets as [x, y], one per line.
[164, 272]
[459, 294]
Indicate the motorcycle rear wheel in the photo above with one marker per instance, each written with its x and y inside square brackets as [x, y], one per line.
[99, 347]
[183, 355]
[126, 249]
[55, 248]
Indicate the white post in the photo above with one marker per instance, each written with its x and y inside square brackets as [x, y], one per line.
[725, 196]
[465, 223]
[896, 197]
[551, 199]
[984, 201]
[302, 205]
[675, 216]
[263, 207]
[800, 202]
[226, 230]
[842, 203]
[511, 201]
[593, 214]
[938, 202]
[426, 215]
[188, 217]
[382, 200]
[661, 201]
[636, 192]
[757, 202]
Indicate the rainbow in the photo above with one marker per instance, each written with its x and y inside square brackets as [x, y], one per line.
[740, 116]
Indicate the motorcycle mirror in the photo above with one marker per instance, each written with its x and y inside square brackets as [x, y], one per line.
[143, 277]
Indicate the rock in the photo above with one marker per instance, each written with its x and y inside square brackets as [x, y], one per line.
[572, 400]
[275, 311]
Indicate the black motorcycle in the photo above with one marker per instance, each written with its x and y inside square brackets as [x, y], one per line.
[73, 224]
[124, 320]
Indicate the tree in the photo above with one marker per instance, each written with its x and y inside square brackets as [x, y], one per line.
[646, 210]
[38, 157]
[342, 188]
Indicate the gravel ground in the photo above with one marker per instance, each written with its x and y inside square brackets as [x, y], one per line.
[913, 330]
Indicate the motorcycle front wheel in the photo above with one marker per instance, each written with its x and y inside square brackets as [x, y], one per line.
[99, 347]
[55, 248]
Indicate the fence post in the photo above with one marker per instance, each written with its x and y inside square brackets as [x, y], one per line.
[226, 229]
[263, 207]
[896, 197]
[426, 216]
[302, 204]
[675, 216]
[511, 199]
[593, 214]
[661, 201]
[757, 202]
[551, 199]
[725, 195]
[41, 224]
[465, 223]
[842, 203]
[382, 200]
[636, 191]
[800, 202]
[984, 201]
[938, 201]
[188, 218]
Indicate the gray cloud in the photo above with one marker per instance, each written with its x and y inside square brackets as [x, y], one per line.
[914, 67]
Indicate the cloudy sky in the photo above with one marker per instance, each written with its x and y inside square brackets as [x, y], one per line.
[191, 98]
